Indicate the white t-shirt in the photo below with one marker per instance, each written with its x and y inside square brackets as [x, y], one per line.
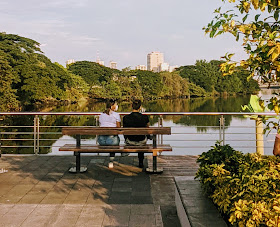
[111, 120]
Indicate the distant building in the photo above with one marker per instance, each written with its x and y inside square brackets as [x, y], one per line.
[113, 65]
[164, 67]
[70, 61]
[154, 60]
[141, 67]
[100, 62]
[173, 68]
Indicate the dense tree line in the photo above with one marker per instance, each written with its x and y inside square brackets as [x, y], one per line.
[28, 77]
[208, 76]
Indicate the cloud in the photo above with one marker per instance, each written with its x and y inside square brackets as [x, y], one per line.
[177, 37]
[65, 3]
[83, 39]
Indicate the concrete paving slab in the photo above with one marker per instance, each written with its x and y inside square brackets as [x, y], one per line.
[41, 215]
[17, 215]
[138, 220]
[67, 216]
[91, 215]
[4, 208]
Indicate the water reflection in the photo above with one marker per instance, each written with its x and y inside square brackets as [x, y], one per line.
[11, 123]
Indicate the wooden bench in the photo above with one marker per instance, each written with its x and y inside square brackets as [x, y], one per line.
[78, 148]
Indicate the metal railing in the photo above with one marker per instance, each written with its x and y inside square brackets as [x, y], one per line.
[184, 138]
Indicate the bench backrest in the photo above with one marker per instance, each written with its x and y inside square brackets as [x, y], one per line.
[116, 131]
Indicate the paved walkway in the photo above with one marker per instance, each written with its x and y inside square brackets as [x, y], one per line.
[39, 191]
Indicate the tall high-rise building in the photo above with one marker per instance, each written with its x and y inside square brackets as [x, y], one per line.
[154, 60]
[113, 65]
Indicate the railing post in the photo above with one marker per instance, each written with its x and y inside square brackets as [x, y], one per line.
[1, 119]
[97, 124]
[38, 134]
[222, 130]
[259, 136]
[36, 131]
[160, 124]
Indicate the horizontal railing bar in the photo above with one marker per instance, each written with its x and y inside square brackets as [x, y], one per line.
[185, 140]
[173, 133]
[33, 139]
[17, 133]
[15, 126]
[211, 146]
[18, 139]
[167, 140]
[146, 113]
[211, 127]
[16, 146]
[172, 147]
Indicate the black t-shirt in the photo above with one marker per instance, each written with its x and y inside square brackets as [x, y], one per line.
[137, 120]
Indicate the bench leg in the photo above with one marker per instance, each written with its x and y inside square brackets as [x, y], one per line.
[155, 169]
[78, 168]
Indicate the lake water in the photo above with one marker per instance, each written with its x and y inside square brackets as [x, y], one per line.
[191, 135]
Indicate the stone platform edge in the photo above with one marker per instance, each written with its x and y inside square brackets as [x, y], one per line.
[193, 207]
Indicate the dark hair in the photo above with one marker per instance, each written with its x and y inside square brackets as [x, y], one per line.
[109, 104]
[136, 104]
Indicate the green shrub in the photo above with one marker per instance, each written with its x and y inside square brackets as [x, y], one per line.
[246, 188]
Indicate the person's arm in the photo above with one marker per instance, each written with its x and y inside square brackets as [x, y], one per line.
[149, 137]
[148, 122]
[118, 122]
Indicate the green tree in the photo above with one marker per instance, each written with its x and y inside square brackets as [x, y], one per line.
[35, 77]
[203, 74]
[208, 76]
[174, 85]
[150, 83]
[257, 23]
[92, 72]
[8, 98]
[76, 86]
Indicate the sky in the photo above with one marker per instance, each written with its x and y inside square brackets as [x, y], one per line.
[124, 31]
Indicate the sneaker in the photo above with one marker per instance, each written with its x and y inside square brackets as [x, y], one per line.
[111, 165]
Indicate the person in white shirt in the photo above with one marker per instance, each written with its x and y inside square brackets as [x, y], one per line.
[110, 118]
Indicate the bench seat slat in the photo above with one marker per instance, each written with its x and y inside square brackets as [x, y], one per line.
[117, 149]
[115, 131]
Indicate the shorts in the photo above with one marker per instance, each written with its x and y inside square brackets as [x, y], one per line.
[136, 143]
[108, 140]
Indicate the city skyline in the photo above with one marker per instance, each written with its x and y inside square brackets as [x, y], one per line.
[155, 63]
[123, 31]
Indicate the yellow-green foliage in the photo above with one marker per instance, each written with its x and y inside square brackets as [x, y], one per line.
[246, 188]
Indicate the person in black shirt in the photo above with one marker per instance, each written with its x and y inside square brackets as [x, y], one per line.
[136, 119]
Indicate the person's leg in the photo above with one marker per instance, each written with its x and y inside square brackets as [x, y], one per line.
[113, 141]
[102, 140]
[141, 159]
[140, 155]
